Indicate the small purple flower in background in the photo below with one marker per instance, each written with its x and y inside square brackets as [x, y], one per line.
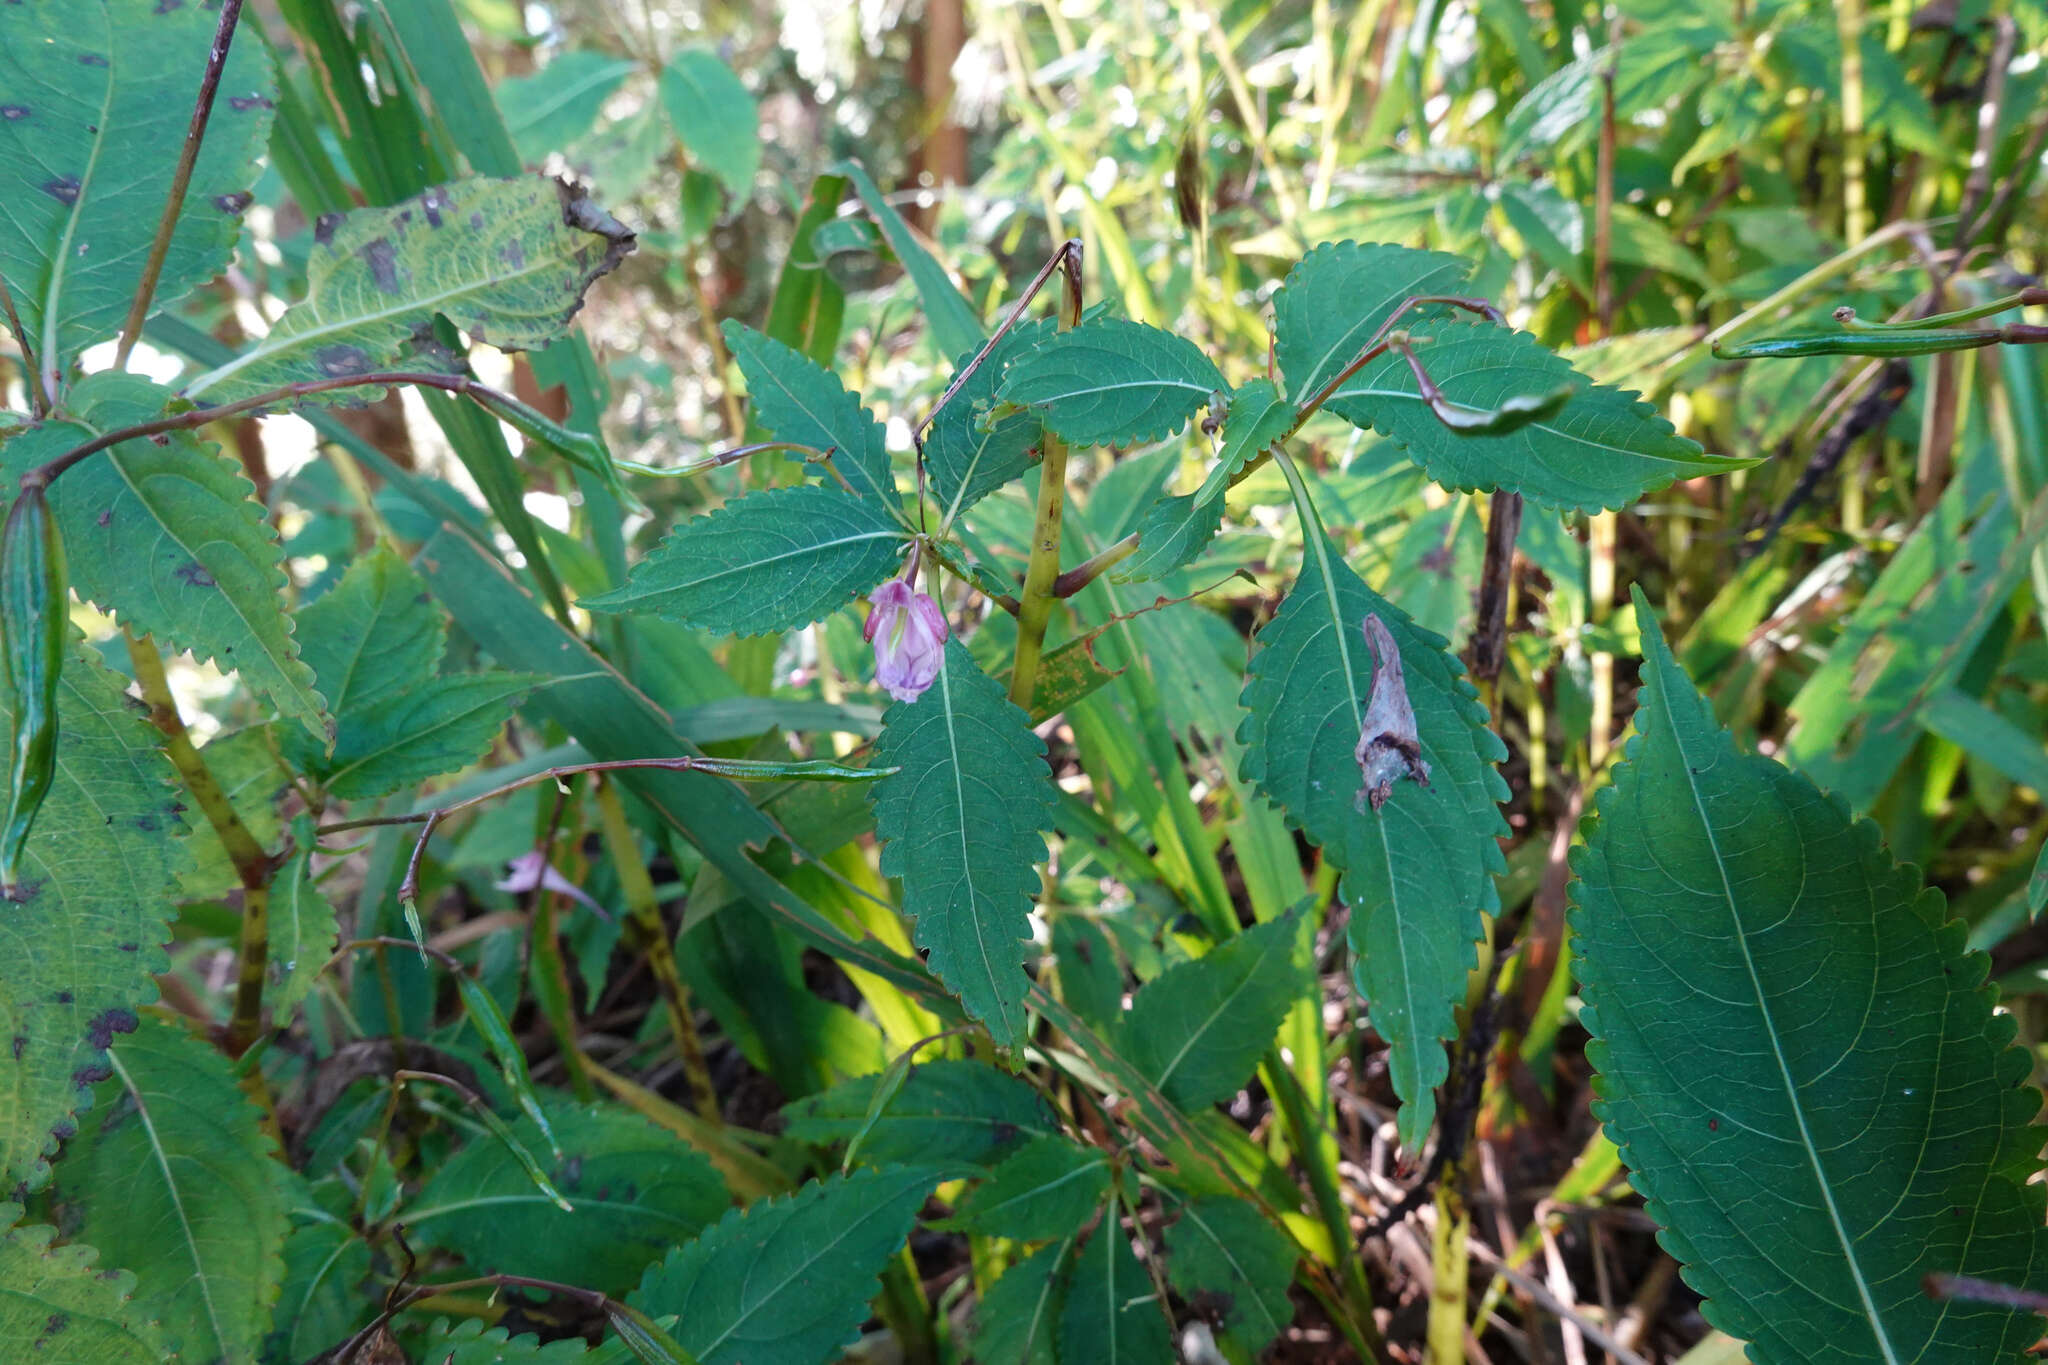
[908, 632]
[1388, 746]
[530, 870]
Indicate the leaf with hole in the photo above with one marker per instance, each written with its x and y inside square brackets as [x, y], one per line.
[963, 823]
[95, 97]
[1800, 1064]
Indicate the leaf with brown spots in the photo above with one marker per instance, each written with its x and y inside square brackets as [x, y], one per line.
[172, 1175]
[97, 97]
[164, 534]
[507, 261]
[61, 1308]
[78, 949]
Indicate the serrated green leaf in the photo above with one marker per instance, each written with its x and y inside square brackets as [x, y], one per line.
[1176, 529]
[556, 106]
[1198, 1029]
[507, 261]
[470, 1343]
[786, 1281]
[1112, 1314]
[1233, 1267]
[1417, 873]
[171, 1174]
[322, 1298]
[963, 822]
[1091, 978]
[767, 562]
[948, 1112]
[796, 399]
[304, 931]
[637, 1191]
[1113, 382]
[1017, 1320]
[714, 116]
[965, 463]
[78, 949]
[167, 537]
[1799, 1062]
[1604, 449]
[443, 725]
[64, 1284]
[94, 100]
[1045, 1190]
[374, 634]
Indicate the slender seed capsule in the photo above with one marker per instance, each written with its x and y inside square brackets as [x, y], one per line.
[33, 619]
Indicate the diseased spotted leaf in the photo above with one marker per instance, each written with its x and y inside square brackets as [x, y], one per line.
[172, 1174]
[78, 948]
[1017, 1320]
[636, 1189]
[64, 1283]
[507, 261]
[1198, 1029]
[966, 463]
[1418, 871]
[163, 532]
[964, 821]
[796, 399]
[949, 1112]
[94, 100]
[764, 563]
[714, 116]
[1604, 449]
[1045, 1190]
[786, 1281]
[1112, 1315]
[1233, 1267]
[1800, 1063]
[1113, 382]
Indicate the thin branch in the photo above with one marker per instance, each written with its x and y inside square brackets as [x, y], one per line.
[1375, 345]
[1072, 246]
[181, 181]
[32, 378]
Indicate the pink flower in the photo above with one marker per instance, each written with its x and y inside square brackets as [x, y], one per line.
[908, 632]
[531, 869]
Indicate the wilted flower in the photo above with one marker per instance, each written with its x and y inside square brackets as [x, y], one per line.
[1388, 746]
[908, 632]
[530, 870]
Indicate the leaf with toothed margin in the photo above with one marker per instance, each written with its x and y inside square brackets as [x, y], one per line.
[162, 532]
[786, 1281]
[94, 100]
[303, 928]
[963, 820]
[507, 261]
[764, 563]
[1233, 1266]
[1418, 873]
[78, 950]
[66, 1285]
[1797, 1057]
[966, 463]
[1176, 529]
[1113, 382]
[795, 399]
[172, 1175]
[1602, 449]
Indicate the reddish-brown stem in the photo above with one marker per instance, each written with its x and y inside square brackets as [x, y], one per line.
[1375, 345]
[181, 181]
[1069, 248]
[32, 378]
[285, 393]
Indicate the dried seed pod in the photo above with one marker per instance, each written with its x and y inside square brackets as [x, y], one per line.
[1388, 747]
[33, 596]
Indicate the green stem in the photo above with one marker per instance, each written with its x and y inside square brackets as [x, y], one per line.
[650, 936]
[1034, 605]
[252, 865]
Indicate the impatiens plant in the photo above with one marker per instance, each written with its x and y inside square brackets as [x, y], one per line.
[648, 939]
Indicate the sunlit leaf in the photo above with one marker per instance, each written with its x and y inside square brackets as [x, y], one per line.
[964, 462]
[714, 116]
[797, 400]
[1113, 382]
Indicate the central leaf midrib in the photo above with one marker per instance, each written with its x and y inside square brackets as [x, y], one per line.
[966, 852]
[747, 1313]
[1741, 937]
[156, 1146]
